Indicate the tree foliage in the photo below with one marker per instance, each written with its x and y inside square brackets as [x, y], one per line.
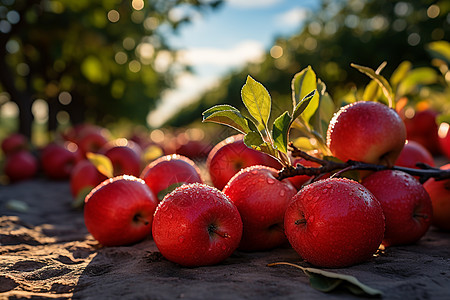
[365, 32]
[109, 57]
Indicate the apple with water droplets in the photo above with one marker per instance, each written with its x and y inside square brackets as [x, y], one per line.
[230, 156]
[196, 225]
[261, 200]
[334, 222]
[168, 172]
[119, 211]
[412, 154]
[366, 131]
[406, 205]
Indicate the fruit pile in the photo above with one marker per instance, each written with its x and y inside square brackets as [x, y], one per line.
[332, 218]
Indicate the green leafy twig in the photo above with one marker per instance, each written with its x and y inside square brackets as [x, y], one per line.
[326, 281]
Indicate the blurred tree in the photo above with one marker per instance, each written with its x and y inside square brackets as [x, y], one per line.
[365, 32]
[102, 60]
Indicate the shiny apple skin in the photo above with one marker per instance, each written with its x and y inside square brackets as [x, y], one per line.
[334, 222]
[262, 200]
[21, 165]
[439, 192]
[230, 156]
[196, 225]
[169, 170]
[119, 211]
[406, 206]
[366, 131]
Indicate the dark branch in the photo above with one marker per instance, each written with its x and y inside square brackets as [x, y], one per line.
[424, 173]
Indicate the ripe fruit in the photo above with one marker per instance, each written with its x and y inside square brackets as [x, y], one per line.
[196, 225]
[125, 156]
[92, 141]
[413, 153]
[14, 143]
[230, 156]
[406, 205]
[261, 200]
[58, 161]
[444, 138]
[20, 166]
[300, 180]
[334, 223]
[422, 128]
[84, 178]
[366, 131]
[119, 211]
[439, 192]
[170, 171]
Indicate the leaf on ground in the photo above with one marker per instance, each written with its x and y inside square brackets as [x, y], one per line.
[326, 281]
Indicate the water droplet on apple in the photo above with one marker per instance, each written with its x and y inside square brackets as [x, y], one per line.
[169, 216]
[282, 192]
[311, 219]
[315, 233]
[254, 172]
[181, 238]
[270, 181]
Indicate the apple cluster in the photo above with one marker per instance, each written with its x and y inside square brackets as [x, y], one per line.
[200, 214]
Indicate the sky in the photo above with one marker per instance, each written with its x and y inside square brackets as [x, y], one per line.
[221, 40]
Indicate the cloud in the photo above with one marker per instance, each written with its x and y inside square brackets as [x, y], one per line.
[242, 53]
[293, 17]
[252, 3]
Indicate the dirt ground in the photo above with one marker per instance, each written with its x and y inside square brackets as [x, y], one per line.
[46, 252]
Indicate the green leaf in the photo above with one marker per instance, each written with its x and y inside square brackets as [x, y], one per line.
[102, 163]
[302, 84]
[415, 78]
[17, 205]
[326, 281]
[380, 80]
[440, 49]
[255, 141]
[257, 101]
[280, 132]
[303, 105]
[372, 91]
[400, 73]
[226, 115]
[79, 199]
[168, 190]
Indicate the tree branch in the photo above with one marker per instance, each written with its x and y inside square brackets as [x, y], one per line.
[424, 173]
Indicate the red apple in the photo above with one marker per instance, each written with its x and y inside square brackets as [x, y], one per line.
[84, 177]
[125, 156]
[93, 141]
[299, 180]
[119, 211]
[439, 192]
[58, 161]
[406, 206]
[230, 156]
[412, 154]
[366, 131]
[167, 172]
[261, 200]
[422, 128]
[20, 166]
[14, 143]
[444, 138]
[334, 222]
[196, 225]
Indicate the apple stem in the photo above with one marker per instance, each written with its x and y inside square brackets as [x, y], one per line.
[213, 229]
[300, 221]
[140, 219]
[418, 215]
